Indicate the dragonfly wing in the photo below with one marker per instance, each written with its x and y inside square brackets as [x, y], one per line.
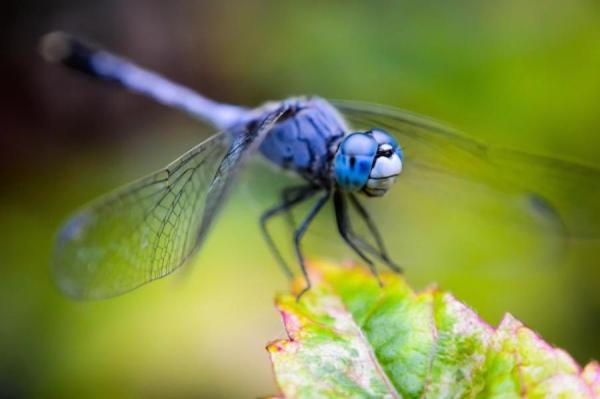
[149, 228]
[552, 187]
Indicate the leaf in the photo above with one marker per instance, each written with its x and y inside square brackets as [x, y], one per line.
[349, 337]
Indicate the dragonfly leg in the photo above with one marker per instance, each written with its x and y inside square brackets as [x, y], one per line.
[287, 195]
[375, 233]
[364, 245]
[343, 224]
[294, 198]
[300, 232]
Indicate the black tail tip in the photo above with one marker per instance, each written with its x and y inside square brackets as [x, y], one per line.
[55, 46]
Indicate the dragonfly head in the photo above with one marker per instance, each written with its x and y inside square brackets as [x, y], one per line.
[368, 161]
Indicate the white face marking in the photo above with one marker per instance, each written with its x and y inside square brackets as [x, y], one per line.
[381, 184]
[383, 174]
[386, 167]
[385, 147]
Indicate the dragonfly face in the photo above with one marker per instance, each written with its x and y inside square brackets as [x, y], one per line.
[368, 162]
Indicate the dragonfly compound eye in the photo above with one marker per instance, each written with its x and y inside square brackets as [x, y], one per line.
[354, 160]
[368, 161]
[386, 166]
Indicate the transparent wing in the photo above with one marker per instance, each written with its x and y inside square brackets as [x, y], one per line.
[433, 153]
[148, 229]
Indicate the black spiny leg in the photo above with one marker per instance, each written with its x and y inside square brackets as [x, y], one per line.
[300, 232]
[287, 195]
[375, 232]
[341, 216]
[298, 195]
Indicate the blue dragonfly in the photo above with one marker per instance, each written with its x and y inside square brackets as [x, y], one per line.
[341, 150]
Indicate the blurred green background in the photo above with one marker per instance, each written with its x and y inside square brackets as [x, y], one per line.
[515, 73]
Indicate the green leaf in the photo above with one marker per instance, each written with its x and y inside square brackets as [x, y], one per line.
[349, 337]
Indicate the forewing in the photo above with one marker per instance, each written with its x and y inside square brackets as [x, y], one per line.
[149, 228]
[433, 153]
[244, 144]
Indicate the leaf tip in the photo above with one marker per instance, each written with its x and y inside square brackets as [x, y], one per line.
[591, 375]
[277, 346]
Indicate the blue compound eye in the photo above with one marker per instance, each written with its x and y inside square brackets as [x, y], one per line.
[383, 137]
[354, 160]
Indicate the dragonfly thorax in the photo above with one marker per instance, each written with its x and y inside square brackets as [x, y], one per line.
[368, 162]
[305, 139]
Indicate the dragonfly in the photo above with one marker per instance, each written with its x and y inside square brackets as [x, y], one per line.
[343, 152]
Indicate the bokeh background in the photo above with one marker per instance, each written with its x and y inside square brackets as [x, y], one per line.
[514, 73]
